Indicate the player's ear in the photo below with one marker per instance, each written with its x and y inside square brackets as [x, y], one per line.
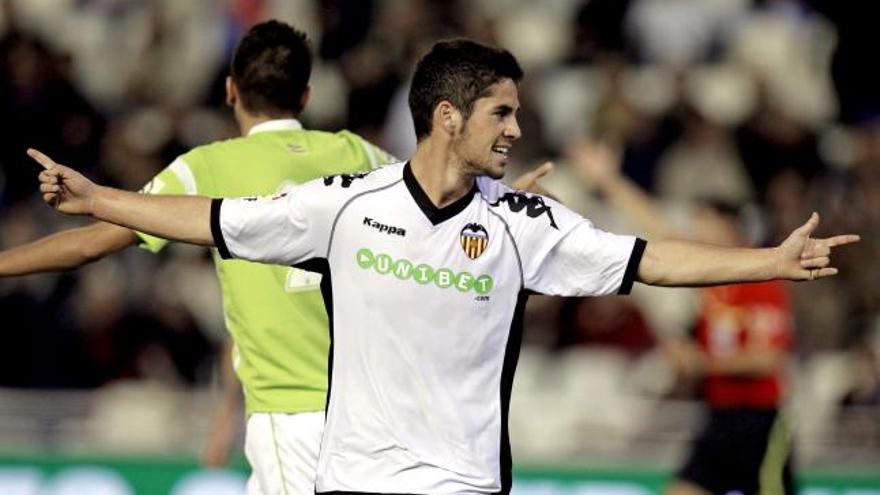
[231, 92]
[304, 98]
[447, 117]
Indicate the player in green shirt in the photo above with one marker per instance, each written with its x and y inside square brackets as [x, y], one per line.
[275, 314]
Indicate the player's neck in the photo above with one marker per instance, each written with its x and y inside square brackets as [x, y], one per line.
[439, 173]
[247, 121]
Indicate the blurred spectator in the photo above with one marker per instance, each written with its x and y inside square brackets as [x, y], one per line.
[643, 136]
[372, 83]
[858, 423]
[161, 342]
[39, 106]
[599, 30]
[705, 150]
[344, 24]
[787, 47]
[853, 199]
[865, 388]
[681, 32]
[770, 141]
[611, 322]
[40, 352]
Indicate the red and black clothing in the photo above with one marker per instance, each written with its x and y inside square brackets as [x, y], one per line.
[746, 444]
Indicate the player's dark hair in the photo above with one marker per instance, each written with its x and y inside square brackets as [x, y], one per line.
[271, 69]
[458, 71]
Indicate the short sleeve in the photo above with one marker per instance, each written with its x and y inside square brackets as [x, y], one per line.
[285, 229]
[565, 254]
[587, 262]
[177, 178]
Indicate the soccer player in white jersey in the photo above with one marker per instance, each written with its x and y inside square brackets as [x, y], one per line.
[429, 263]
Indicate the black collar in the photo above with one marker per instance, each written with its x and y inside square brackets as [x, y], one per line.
[434, 214]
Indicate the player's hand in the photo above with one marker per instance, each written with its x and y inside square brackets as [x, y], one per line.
[63, 188]
[529, 181]
[595, 163]
[802, 257]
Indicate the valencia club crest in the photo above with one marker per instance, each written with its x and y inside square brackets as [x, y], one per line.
[474, 240]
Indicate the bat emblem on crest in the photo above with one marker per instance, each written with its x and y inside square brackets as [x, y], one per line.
[474, 240]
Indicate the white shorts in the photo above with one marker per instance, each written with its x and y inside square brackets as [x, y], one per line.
[282, 450]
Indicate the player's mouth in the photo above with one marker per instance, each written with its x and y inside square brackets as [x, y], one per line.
[501, 150]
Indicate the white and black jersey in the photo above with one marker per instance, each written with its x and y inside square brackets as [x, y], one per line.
[425, 308]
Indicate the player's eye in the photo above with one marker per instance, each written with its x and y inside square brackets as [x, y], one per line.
[503, 111]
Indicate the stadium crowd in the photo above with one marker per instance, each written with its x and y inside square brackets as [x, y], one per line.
[764, 104]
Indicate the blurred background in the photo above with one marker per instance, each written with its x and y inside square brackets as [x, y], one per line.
[109, 374]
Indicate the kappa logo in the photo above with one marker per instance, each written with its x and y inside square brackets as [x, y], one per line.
[474, 240]
[534, 205]
[385, 229]
[345, 179]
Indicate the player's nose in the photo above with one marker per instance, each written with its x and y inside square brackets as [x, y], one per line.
[512, 130]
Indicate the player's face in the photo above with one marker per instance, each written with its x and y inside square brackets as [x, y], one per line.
[489, 132]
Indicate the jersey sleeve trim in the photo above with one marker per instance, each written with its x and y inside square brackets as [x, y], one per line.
[632, 267]
[345, 205]
[216, 231]
[185, 175]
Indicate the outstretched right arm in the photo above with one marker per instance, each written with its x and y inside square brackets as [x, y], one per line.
[66, 250]
[180, 218]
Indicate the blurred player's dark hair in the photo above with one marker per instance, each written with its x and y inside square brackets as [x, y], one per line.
[271, 69]
[458, 71]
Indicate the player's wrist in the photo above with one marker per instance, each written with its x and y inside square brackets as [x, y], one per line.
[96, 198]
[778, 266]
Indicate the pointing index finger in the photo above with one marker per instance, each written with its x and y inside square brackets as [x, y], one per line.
[840, 240]
[41, 158]
[539, 171]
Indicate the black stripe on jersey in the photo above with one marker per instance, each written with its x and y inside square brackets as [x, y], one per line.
[632, 267]
[511, 357]
[434, 214]
[322, 266]
[216, 231]
[522, 273]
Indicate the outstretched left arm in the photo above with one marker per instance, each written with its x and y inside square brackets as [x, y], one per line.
[180, 218]
[799, 257]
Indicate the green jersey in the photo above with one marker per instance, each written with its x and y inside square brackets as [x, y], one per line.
[276, 314]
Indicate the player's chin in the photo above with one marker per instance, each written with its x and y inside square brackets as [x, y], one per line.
[495, 168]
[495, 173]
